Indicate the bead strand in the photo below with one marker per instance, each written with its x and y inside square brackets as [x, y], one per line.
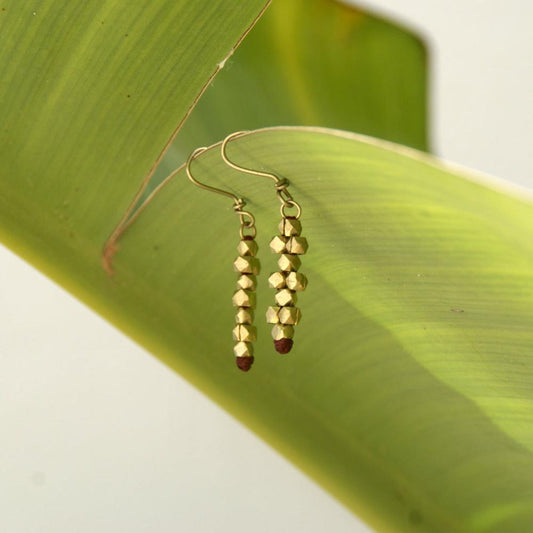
[244, 333]
[287, 282]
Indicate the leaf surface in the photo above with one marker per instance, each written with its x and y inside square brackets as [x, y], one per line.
[92, 91]
[409, 391]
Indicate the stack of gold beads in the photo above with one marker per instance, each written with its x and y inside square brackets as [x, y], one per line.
[244, 333]
[287, 282]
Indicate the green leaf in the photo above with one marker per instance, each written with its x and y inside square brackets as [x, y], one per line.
[92, 91]
[409, 391]
[316, 63]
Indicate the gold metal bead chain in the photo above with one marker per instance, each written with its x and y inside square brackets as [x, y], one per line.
[247, 265]
[290, 245]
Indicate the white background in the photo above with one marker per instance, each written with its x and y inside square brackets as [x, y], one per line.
[481, 68]
[97, 435]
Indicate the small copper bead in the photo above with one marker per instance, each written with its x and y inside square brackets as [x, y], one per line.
[283, 345]
[244, 363]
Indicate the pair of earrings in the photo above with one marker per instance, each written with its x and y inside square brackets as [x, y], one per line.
[288, 244]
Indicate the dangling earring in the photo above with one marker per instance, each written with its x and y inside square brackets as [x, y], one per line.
[290, 245]
[247, 265]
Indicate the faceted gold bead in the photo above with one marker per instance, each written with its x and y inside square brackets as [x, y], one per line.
[278, 243]
[247, 247]
[285, 297]
[246, 265]
[243, 349]
[289, 315]
[297, 245]
[289, 263]
[243, 298]
[277, 280]
[244, 315]
[244, 332]
[247, 282]
[280, 331]
[296, 281]
[290, 227]
[272, 315]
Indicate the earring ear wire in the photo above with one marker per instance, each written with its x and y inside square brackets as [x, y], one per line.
[247, 265]
[290, 245]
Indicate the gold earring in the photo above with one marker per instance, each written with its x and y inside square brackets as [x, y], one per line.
[290, 245]
[247, 265]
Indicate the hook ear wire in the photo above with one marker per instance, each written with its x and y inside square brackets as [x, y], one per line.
[223, 153]
[246, 218]
[238, 201]
[281, 184]
[247, 265]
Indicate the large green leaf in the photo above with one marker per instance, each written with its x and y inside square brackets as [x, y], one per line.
[409, 391]
[408, 394]
[92, 91]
